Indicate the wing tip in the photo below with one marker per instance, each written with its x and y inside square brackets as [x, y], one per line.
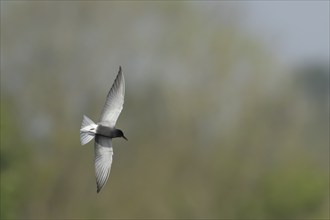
[119, 81]
[99, 187]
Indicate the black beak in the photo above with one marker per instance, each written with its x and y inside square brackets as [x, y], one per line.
[125, 138]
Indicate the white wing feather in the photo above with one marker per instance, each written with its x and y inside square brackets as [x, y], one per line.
[114, 102]
[103, 160]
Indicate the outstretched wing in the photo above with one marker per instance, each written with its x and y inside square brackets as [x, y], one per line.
[103, 159]
[114, 102]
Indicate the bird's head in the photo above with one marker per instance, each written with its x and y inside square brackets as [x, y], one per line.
[120, 133]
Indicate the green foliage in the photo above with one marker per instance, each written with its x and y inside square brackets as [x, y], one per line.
[15, 159]
[294, 191]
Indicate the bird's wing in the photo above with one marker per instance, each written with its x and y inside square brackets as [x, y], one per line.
[114, 102]
[103, 159]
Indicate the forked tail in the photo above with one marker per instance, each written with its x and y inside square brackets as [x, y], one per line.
[87, 130]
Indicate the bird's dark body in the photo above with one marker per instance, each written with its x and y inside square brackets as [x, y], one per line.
[108, 131]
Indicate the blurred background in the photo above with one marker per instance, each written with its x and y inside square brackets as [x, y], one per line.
[226, 108]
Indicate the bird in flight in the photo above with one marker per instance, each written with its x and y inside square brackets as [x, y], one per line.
[105, 130]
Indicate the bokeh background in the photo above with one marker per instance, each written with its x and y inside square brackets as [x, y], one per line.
[226, 109]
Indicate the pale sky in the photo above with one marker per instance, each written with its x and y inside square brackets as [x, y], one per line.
[295, 30]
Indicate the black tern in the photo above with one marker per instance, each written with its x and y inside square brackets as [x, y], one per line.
[105, 130]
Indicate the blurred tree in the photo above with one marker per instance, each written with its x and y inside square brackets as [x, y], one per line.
[15, 162]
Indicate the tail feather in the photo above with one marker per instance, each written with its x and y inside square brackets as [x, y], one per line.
[86, 122]
[87, 131]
